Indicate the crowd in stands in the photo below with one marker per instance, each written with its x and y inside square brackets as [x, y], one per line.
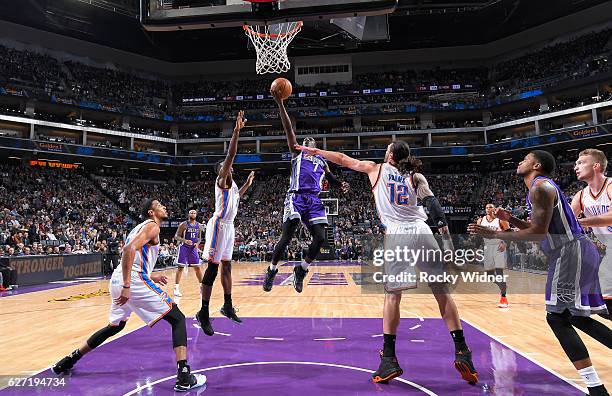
[53, 211]
[132, 93]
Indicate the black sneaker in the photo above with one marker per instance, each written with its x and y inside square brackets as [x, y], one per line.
[389, 368]
[230, 313]
[598, 391]
[204, 322]
[463, 364]
[299, 274]
[63, 366]
[269, 281]
[186, 381]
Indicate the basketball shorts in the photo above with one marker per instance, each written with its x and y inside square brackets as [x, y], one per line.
[220, 236]
[572, 282]
[493, 258]
[418, 250]
[305, 206]
[188, 256]
[147, 300]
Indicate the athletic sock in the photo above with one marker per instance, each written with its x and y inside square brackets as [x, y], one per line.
[273, 267]
[389, 345]
[181, 365]
[459, 340]
[305, 265]
[590, 377]
[76, 355]
[204, 308]
[227, 300]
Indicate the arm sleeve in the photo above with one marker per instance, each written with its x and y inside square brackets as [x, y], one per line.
[435, 210]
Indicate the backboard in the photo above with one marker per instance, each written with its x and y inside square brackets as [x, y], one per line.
[169, 15]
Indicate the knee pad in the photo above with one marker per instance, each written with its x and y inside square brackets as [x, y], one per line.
[103, 334]
[176, 319]
[210, 274]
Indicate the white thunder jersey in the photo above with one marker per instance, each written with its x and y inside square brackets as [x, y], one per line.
[146, 257]
[596, 206]
[226, 202]
[396, 197]
[492, 225]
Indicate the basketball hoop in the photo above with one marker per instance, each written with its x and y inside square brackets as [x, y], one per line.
[271, 43]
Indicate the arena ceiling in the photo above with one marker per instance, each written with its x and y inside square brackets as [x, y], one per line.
[415, 24]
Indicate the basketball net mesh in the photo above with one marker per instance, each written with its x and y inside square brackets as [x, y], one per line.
[271, 44]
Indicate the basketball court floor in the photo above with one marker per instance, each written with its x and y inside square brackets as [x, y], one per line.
[324, 341]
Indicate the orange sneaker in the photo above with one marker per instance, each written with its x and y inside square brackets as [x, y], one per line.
[503, 303]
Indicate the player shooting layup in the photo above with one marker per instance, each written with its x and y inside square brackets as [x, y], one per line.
[189, 235]
[220, 233]
[495, 251]
[301, 203]
[396, 186]
[593, 202]
[134, 289]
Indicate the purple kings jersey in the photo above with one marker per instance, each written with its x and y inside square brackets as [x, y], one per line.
[192, 232]
[307, 173]
[564, 226]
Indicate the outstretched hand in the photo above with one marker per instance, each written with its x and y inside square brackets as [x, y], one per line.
[240, 121]
[251, 177]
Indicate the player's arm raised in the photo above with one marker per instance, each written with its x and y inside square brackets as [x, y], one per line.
[542, 197]
[602, 220]
[369, 167]
[247, 184]
[287, 126]
[334, 181]
[148, 232]
[233, 148]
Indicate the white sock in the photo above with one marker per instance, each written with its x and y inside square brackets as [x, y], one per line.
[273, 267]
[590, 377]
[176, 287]
[305, 265]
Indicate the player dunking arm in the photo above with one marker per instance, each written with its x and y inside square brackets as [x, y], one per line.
[396, 185]
[572, 287]
[594, 203]
[495, 251]
[134, 289]
[220, 233]
[301, 203]
[189, 235]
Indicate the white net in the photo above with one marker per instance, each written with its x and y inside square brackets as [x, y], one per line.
[271, 43]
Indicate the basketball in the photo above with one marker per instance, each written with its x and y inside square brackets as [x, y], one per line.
[283, 87]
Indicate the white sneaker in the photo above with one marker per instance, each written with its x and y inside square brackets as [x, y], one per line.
[196, 381]
[177, 293]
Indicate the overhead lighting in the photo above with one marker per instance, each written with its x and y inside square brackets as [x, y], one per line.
[15, 158]
[475, 161]
[107, 166]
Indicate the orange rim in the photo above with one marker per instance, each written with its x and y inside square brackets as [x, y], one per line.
[249, 30]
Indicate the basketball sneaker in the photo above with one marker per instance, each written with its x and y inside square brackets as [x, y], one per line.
[269, 281]
[186, 381]
[63, 366]
[503, 303]
[299, 274]
[230, 313]
[598, 391]
[204, 322]
[463, 364]
[387, 370]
